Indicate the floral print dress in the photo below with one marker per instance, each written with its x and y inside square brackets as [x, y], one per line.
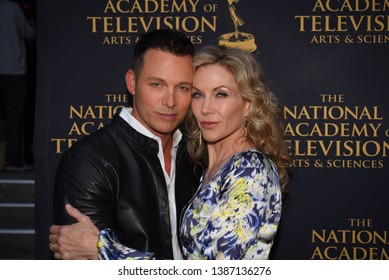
[234, 216]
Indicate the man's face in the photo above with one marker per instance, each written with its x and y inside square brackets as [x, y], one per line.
[162, 92]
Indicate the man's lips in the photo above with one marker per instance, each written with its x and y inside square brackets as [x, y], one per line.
[167, 116]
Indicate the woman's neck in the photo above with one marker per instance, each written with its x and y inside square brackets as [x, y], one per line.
[219, 154]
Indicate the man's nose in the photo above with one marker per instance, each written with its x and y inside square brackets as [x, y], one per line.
[169, 98]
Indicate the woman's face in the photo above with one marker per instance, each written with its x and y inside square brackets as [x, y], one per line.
[217, 104]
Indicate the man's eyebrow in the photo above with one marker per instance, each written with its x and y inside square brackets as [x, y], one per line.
[186, 83]
[156, 79]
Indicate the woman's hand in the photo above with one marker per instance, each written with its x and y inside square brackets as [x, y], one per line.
[77, 241]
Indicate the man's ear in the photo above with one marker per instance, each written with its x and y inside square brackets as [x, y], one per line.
[130, 81]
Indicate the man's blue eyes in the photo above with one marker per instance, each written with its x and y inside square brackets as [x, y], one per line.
[184, 88]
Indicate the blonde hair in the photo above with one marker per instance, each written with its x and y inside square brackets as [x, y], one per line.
[264, 120]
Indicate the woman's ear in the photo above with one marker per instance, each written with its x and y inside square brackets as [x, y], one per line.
[130, 81]
[247, 109]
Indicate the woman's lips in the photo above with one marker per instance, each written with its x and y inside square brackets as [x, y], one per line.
[208, 124]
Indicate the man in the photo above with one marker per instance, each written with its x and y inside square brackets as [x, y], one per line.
[14, 30]
[134, 175]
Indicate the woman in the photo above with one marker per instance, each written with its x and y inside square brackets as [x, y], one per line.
[235, 130]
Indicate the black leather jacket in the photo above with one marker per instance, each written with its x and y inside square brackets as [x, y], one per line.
[114, 176]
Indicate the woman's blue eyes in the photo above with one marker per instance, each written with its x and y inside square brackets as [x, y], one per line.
[196, 94]
[221, 94]
[218, 94]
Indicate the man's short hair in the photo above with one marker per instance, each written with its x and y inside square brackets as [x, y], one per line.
[167, 40]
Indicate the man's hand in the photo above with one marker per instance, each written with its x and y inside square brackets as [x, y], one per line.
[77, 241]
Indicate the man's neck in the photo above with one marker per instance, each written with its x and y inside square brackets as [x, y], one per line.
[167, 144]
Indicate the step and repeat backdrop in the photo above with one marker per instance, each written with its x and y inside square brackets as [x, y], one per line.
[326, 60]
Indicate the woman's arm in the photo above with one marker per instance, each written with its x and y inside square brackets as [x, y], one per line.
[243, 223]
[83, 240]
[110, 248]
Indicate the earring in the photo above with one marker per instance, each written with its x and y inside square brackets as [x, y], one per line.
[245, 132]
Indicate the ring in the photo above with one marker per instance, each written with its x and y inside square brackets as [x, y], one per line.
[52, 249]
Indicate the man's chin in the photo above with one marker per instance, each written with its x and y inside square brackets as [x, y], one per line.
[166, 131]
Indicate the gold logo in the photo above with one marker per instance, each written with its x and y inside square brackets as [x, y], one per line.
[237, 39]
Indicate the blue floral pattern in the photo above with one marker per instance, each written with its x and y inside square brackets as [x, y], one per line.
[235, 215]
[110, 248]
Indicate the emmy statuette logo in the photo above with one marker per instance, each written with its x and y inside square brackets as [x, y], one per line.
[237, 39]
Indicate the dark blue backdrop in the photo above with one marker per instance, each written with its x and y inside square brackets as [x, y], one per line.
[326, 60]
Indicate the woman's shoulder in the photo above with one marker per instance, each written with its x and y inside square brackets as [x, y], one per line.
[251, 156]
[253, 159]
[255, 170]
